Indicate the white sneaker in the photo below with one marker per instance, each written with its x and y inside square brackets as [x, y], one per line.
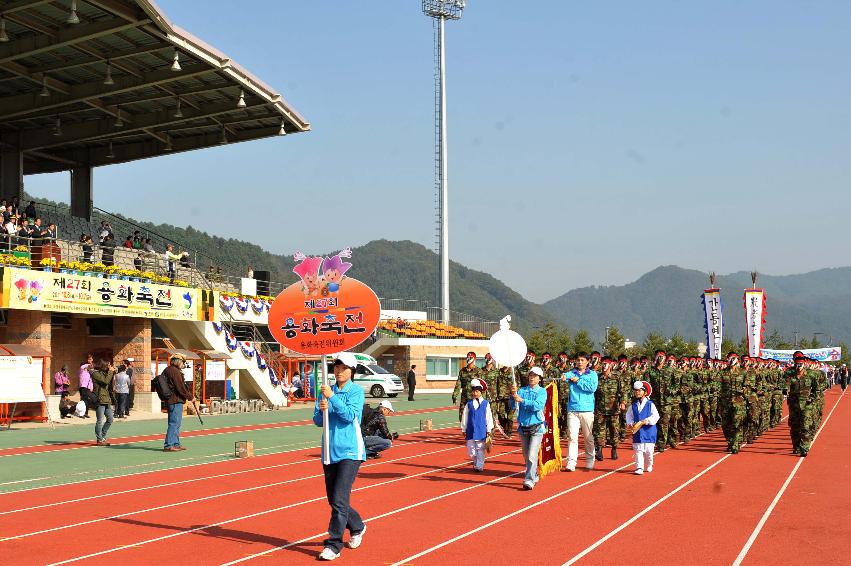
[328, 554]
[528, 486]
[355, 540]
[639, 472]
[571, 467]
[649, 469]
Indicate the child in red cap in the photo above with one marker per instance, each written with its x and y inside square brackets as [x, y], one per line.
[641, 419]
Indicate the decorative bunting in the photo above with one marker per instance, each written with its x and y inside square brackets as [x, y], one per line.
[241, 304]
[226, 302]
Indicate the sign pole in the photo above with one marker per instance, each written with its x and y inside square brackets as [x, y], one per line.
[326, 429]
[12, 416]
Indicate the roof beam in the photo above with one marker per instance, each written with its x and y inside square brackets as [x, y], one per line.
[21, 71]
[25, 104]
[96, 156]
[97, 129]
[22, 5]
[28, 46]
[97, 57]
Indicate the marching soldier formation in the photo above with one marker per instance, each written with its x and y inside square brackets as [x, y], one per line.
[741, 395]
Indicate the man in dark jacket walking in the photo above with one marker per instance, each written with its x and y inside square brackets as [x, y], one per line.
[412, 382]
[179, 395]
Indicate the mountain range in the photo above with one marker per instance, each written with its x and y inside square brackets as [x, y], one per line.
[665, 300]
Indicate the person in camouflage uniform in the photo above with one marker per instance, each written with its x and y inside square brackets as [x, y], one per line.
[733, 403]
[753, 407]
[594, 362]
[461, 393]
[804, 389]
[675, 392]
[765, 394]
[823, 384]
[627, 378]
[493, 391]
[609, 401]
[778, 390]
[522, 371]
[551, 372]
[660, 382]
[563, 366]
[686, 389]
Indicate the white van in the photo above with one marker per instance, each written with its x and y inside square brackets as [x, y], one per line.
[373, 378]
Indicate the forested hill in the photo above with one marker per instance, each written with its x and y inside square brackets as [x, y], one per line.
[667, 300]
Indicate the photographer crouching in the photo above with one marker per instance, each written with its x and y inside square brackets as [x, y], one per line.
[376, 436]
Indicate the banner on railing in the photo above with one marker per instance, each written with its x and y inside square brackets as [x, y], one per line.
[714, 323]
[818, 354]
[64, 292]
[755, 318]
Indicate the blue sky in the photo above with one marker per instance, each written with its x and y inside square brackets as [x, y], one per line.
[589, 142]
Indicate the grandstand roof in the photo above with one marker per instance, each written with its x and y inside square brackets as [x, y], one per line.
[58, 104]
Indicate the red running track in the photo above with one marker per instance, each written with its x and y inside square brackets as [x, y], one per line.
[423, 504]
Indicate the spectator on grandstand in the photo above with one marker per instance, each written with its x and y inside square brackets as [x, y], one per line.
[184, 260]
[14, 204]
[122, 391]
[128, 243]
[30, 210]
[376, 435]
[170, 259]
[107, 256]
[11, 229]
[137, 262]
[250, 273]
[343, 402]
[49, 234]
[105, 230]
[148, 247]
[25, 232]
[103, 377]
[62, 381]
[179, 396]
[88, 246]
[7, 213]
[86, 386]
[138, 240]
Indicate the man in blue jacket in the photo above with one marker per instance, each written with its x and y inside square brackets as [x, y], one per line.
[582, 381]
[344, 401]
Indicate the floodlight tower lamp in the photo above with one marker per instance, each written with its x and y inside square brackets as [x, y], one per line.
[440, 11]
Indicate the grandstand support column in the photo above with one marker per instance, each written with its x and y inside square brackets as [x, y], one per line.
[11, 167]
[81, 192]
[132, 338]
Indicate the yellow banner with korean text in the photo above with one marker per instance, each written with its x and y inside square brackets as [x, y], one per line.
[65, 292]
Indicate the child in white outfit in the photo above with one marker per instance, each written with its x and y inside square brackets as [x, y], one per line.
[477, 424]
[641, 419]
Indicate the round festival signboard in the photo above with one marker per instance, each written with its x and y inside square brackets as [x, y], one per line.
[326, 312]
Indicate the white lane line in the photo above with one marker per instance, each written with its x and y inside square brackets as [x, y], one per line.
[63, 484]
[515, 513]
[509, 516]
[644, 512]
[191, 480]
[767, 514]
[466, 462]
[387, 514]
[208, 497]
[74, 445]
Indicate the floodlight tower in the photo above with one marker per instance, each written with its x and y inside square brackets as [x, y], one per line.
[440, 11]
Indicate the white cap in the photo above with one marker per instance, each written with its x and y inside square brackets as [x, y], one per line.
[638, 385]
[476, 383]
[131, 360]
[386, 404]
[347, 359]
[537, 371]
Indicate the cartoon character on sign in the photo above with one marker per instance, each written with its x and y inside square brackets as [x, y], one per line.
[334, 269]
[22, 285]
[308, 270]
[35, 290]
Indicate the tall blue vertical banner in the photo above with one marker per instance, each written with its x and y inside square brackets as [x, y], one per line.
[713, 308]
